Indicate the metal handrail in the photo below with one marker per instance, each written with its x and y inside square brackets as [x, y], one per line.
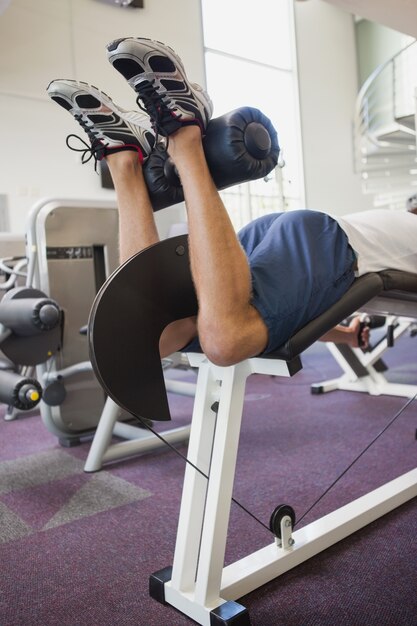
[385, 146]
[371, 78]
[369, 109]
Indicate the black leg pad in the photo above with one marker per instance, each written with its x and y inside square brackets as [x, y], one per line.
[157, 582]
[230, 614]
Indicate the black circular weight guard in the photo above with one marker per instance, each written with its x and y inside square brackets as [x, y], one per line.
[143, 296]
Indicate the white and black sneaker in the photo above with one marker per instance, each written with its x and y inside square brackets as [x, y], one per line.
[109, 128]
[157, 75]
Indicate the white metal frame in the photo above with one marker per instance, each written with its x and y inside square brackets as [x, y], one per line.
[137, 440]
[198, 585]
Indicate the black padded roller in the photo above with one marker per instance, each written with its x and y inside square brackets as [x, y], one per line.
[19, 391]
[30, 316]
[239, 146]
[27, 314]
[162, 180]
[35, 322]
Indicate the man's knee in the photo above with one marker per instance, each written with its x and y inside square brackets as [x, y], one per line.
[221, 348]
[233, 340]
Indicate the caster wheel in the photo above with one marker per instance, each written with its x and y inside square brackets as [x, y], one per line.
[278, 514]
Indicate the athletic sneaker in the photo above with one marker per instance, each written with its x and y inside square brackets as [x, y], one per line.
[109, 128]
[157, 75]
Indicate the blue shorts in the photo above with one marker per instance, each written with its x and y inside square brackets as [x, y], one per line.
[301, 263]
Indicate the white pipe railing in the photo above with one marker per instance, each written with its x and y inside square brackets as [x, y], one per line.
[386, 95]
[384, 127]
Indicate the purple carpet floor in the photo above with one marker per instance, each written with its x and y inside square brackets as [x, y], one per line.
[77, 549]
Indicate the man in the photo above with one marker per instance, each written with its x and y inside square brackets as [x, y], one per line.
[255, 290]
[411, 204]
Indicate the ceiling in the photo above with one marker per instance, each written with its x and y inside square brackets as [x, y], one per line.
[400, 15]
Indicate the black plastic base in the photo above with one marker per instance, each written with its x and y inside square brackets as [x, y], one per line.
[230, 614]
[69, 442]
[227, 614]
[157, 582]
[316, 390]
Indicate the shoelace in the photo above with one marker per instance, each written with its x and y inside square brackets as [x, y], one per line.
[95, 151]
[156, 105]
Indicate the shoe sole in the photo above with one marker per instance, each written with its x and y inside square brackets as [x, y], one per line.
[134, 79]
[142, 122]
[101, 96]
[156, 45]
[104, 99]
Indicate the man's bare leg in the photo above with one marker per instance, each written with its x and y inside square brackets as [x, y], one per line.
[230, 328]
[137, 231]
[109, 127]
[137, 228]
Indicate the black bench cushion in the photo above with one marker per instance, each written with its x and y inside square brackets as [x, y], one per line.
[361, 291]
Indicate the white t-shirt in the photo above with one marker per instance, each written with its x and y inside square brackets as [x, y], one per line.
[382, 239]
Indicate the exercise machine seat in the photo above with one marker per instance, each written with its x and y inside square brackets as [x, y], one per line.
[399, 285]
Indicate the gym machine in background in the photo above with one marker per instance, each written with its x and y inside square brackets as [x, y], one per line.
[71, 248]
[47, 289]
[29, 330]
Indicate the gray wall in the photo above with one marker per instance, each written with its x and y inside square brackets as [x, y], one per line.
[375, 45]
[46, 39]
[328, 85]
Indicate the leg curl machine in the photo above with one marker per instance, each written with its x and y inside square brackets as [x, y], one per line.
[71, 249]
[197, 584]
[130, 371]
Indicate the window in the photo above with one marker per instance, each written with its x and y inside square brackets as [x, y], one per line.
[250, 62]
